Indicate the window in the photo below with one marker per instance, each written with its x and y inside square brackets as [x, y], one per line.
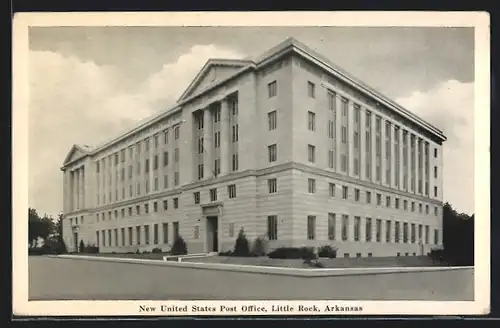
[200, 145]
[116, 237]
[378, 231]
[231, 191]
[235, 162]
[235, 133]
[217, 167]
[196, 196]
[176, 203]
[420, 207]
[397, 232]
[396, 203]
[130, 235]
[196, 234]
[388, 201]
[176, 178]
[387, 231]
[435, 211]
[368, 230]
[368, 197]
[413, 235]
[426, 209]
[176, 155]
[122, 213]
[165, 205]
[413, 206]
[345, 225]
[331, 129]
[420, 227]
[146, 208]
[311, 186]
[311, 121]
[357, 227]
[272, 185]
[272, 153]
[272, 227]
[405, 204]
[271, 120]
[332, 104]
[331, 226]
[165, 137]
[436, 237]
[165, 181]
[435, 191]
[344, 134]
[344, 107]
[155, 234]
[311, 153]
[331, 189]
[344, 192]
[435, 153]
[129, 211]
[405, 232]
[311, 90]
[213, 194]
[311, 227]
[200, 171]
[272, 89]
[356, 195]
[331, 158]
[343, 162]
[216, 115]
[165, 233]
[138, 235]
[435, 172]
[199, 121]
[176, 132]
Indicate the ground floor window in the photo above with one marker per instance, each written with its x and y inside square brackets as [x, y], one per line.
[272, 227]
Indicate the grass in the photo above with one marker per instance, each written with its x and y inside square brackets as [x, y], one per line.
[149, 256]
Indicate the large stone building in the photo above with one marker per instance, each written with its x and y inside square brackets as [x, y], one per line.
[287, 146]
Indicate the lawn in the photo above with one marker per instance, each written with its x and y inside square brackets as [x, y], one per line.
[373, 262]
[148, 256]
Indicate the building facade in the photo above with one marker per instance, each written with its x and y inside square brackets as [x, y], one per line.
[286, 146]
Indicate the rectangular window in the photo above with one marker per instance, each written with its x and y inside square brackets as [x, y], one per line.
[176, 203]
[272, 227]
[130, 236]
[388, 201]
[413, 233]
[176, 178]
[217, 139]
[397, 232]
[368, 230]
[311, 227]
[138, 235]
[387, 231]
[235, 133]
[332, 103]
[235, 162]
[176, 132]
[231, 191]
[331, 226]
[331, 189]
[331, 158]
[155, 207]
[356, 195]
[344, 192]
[345, 225]
[436, 237]
[311, 153]
[311, 89]
[311, 186]
[378, 231]
[165, 233]
[201, 170]
[368, 197]
[311, 121]
[272, 120]
[331, 129]
[272, 185]
[213, 194]
[217, 167]
[155, 234]
[272, 90]
[272, 151]
[196, 197]
[357, 227]
[405, 232]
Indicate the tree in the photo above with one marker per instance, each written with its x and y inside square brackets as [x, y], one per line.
[241, 247]
[458, 236]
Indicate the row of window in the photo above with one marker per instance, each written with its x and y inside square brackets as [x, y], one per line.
[120, 155]
[401, 232]
[125, 236]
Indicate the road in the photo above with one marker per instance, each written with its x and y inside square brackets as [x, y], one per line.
[68, 279]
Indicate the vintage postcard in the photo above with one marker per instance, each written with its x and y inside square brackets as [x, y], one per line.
[259, 163]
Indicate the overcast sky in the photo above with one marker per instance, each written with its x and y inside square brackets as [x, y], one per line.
[87, 84]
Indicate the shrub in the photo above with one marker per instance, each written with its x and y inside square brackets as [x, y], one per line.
[305, 253]
[179, 247]
[92, 249]
[437, 255]
[81, 247]
[327, 251]
[156, 250]
[259, 246]
[226, 253]
[241, 247]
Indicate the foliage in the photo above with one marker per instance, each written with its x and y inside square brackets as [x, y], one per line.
[327, 251]
[91, 249]
[156, 250]
[305, 253]
[259, 246]
[179, 247]
[225, 253]
[458, 237]
[81, 247]
[241, 246]
[38, 227]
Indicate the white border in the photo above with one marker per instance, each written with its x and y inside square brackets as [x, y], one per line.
[478, 20]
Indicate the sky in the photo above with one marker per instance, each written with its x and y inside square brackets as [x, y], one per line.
[89, 84]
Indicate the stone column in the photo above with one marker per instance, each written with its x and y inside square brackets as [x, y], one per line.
[394, 178]
[350, 138]
[225, 160]
[207, 144]
[383, 166]
[362, 230]
[362, 144]
[373, 150]
[83, 187]
[401, 175]
[338, 134]
[416, 164]
[422, 172]
[408, 163]
[77, 191]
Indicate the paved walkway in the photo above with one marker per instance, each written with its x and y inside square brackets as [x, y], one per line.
[65, 279]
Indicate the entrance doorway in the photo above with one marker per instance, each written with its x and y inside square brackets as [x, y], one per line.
[75, 238]
[212, 234]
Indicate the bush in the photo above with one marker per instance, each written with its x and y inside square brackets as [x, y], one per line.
[179, 247]
[226, 253]
[305, 253]
[437, 255]
[259, 246]
[241, 247]
[327, 251]
[92, 249]
[156, 250]
[81, 247]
